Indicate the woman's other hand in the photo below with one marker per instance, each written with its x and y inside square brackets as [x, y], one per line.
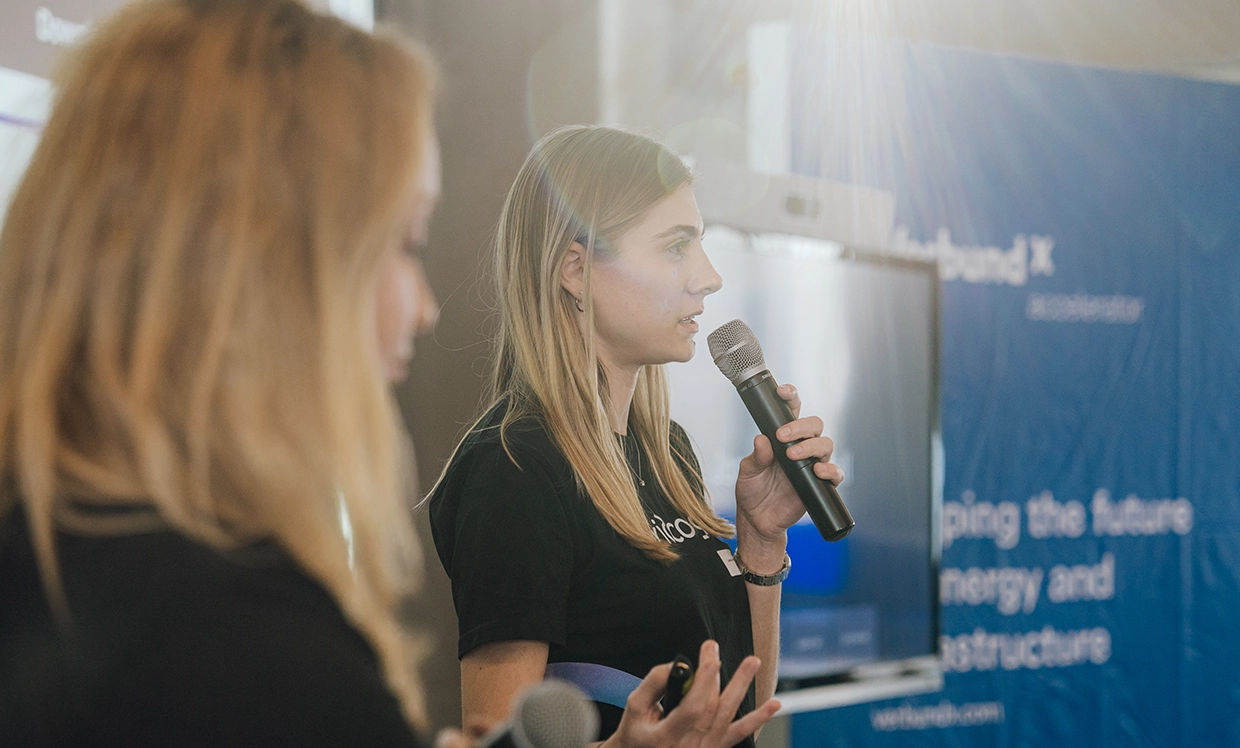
[766, 503]
[704, 719]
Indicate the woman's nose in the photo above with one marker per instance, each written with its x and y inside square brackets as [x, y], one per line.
[427, 311]
[708, 279]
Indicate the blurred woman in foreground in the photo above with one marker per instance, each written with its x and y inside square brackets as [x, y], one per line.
[203, 292]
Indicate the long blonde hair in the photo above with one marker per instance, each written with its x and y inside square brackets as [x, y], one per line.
[187, 283]
[587, 184]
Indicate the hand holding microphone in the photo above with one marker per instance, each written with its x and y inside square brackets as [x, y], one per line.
[737, 353]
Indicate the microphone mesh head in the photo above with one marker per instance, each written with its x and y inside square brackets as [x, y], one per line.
[554, 714]
[736, 350]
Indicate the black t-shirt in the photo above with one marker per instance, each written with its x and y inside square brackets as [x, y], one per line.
[530, 558]
[176, 644]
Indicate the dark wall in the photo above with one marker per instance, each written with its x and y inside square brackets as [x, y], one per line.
[484, 49]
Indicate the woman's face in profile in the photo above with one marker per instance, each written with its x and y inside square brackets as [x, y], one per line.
[405, 304]
[648, 294]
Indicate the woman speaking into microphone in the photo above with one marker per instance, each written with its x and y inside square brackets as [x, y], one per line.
[572, 518]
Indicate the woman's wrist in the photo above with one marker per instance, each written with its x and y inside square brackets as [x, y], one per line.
[763, 553]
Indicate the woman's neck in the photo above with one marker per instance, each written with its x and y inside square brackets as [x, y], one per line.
[621, 384]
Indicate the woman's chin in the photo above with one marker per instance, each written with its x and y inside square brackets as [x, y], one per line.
[686, 354]
[397, 370]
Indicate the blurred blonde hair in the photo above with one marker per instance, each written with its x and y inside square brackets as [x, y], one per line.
[187, 282]
[589, 184]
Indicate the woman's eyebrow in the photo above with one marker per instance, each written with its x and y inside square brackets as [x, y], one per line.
[682, 230]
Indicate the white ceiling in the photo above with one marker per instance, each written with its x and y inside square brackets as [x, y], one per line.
[1196, 38]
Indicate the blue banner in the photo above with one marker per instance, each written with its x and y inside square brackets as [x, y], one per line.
[1087, 226]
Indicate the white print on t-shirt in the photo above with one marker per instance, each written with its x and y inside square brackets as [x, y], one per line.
[677, 531]
[728, 561]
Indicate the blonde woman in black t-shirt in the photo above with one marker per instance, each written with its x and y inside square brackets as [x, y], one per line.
[572, 518]
[205, 286]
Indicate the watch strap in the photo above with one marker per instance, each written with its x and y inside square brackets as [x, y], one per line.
[763, 580]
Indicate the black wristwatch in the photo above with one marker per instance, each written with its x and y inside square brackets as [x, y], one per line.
[763, 580]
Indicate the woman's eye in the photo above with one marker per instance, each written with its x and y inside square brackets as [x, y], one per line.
[679, 247]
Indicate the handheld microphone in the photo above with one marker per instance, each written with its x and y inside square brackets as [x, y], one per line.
[552, 714]
[738, 355]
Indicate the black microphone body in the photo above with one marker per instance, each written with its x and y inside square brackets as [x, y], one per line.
[821, 500]
[738, 355]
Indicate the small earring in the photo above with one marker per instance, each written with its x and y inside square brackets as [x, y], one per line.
[580, 308]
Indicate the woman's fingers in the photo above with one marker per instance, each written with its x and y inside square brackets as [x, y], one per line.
[704, 692]
[714, 723]
[704, 719]
[749, 724]
[802, 428]
[645, 697]
[730, 699]
[762, 455]
[793, 398]
[813, 448]
[690, 722]
[829, 471]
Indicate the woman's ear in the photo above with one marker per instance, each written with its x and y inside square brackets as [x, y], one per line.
[573, 270]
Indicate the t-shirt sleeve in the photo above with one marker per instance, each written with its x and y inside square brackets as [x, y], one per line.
[512, 552]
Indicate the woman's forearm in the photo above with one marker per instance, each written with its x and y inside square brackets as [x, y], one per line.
[763, 555]
[492, 676]
[764, 610]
